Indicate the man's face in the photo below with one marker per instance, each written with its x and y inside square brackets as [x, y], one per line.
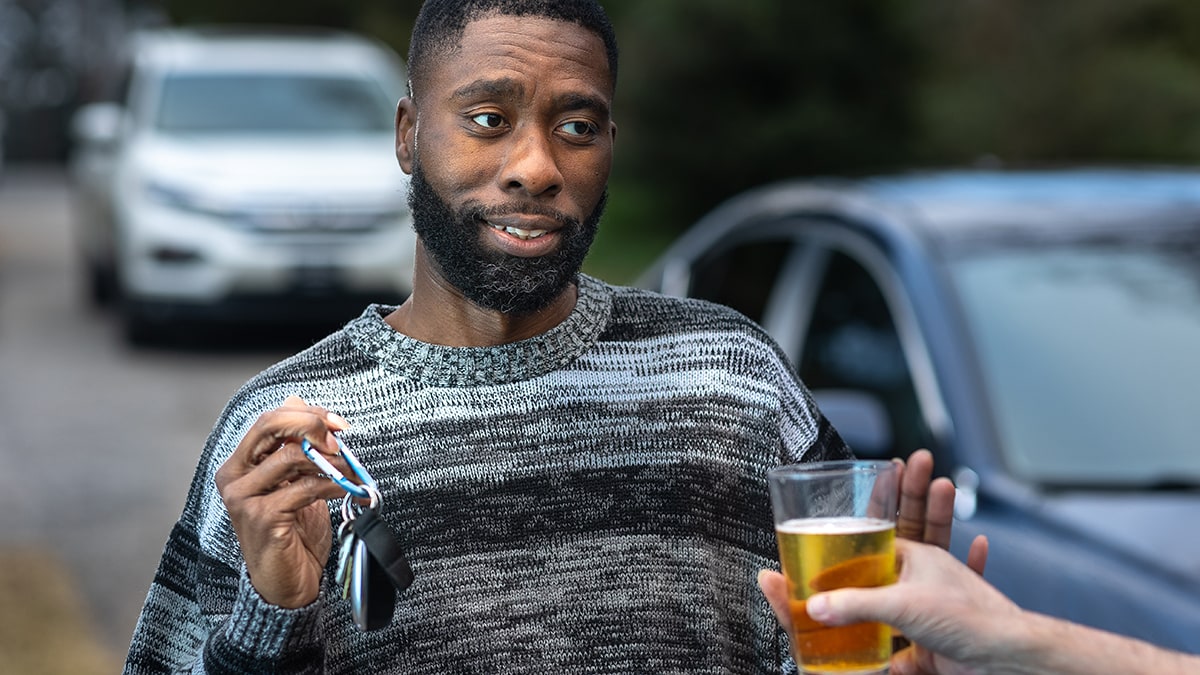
[510, 153]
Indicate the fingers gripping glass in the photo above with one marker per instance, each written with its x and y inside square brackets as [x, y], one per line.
[361, 491]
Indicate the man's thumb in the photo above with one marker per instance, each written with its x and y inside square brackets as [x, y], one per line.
[841, 607]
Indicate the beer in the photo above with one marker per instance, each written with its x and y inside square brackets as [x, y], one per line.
[821, 554]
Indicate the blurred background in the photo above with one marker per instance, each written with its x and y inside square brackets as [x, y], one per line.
[714, 97]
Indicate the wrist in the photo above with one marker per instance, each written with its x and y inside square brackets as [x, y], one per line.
[1032, 643]
[1017, 643]
[1048, 646]
[261, 629]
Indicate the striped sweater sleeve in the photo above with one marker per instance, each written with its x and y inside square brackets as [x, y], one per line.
[201, 614]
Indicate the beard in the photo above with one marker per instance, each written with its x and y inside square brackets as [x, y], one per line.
[490, 278]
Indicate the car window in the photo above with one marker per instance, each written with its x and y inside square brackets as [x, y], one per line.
[853, 344]
[741, 275]
[1091, 358]
[223, 103]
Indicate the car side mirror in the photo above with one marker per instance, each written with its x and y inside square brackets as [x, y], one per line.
[98, 125]
[860, 418]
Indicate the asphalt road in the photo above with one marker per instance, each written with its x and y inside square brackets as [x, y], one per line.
[98, 440]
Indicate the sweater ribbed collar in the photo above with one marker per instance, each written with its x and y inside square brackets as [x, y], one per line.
[440, 366]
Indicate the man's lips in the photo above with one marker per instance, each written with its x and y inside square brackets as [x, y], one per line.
[523, 226]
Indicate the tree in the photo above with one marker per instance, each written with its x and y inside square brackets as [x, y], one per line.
[718, 96]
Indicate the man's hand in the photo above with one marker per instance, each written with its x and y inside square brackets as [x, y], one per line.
[960, 621]
[926, 514]
[276, 500]
[936, 602]
[926, 506]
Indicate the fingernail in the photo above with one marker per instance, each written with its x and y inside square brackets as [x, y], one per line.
[818, 607]
[337, 420]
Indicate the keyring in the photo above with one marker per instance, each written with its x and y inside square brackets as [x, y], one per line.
[338, 477]
[348, 503]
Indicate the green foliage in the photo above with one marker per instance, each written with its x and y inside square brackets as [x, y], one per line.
[1065, 81]
[718, 96]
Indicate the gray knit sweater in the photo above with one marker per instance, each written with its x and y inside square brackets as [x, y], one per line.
[591, 500]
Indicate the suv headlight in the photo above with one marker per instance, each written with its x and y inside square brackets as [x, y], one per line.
[173, 196]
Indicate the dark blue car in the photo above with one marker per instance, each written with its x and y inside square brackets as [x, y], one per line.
[1039, 331]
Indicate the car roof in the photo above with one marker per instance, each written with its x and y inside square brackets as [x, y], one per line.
[261, 48]
[958, 205]
[963, 209]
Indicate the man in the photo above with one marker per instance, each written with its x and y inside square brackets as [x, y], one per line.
[963, 625]
[575, 471]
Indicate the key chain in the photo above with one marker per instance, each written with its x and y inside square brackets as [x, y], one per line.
[338, 477]
[371, 567]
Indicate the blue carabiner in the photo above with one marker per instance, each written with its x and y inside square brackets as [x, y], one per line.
[337, 476]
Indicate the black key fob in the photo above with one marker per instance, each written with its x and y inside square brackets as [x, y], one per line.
[380, 570]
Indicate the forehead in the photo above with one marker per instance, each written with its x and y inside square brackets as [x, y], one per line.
[535, 50]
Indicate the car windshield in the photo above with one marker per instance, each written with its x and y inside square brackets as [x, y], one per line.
[277, 103]
[1091, 358]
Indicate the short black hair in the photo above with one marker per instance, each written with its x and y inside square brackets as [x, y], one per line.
[440, 24]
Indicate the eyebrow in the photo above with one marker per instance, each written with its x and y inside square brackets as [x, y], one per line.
[572, 101]
[509, 89]
[505, 88]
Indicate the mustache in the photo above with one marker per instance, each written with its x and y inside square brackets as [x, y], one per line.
[476, 211]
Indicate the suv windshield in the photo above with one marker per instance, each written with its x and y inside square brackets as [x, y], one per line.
[1091, 359]
[276, 103]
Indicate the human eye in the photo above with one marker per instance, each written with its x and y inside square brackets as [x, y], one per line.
[488, 120]
[579, 129]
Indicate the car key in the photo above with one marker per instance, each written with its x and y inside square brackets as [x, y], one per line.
[384, 547]
[360, 587]
[345, 560]
[379, 570]
[370, 566]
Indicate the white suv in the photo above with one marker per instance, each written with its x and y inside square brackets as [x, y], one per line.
[245, 175]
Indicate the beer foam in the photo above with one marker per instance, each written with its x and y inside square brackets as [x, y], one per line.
[837, 525]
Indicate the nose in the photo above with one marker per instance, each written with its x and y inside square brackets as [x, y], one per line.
[531, 165]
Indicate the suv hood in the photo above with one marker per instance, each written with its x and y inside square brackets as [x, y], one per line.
[253, 172]
[1156, 528]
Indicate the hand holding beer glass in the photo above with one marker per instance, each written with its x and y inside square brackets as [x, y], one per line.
[836, 527]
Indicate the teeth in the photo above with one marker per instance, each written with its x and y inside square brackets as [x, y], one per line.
[519, 233]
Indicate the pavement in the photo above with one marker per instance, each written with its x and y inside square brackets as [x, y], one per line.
[45, 629]
[98, 443]
[47, 625]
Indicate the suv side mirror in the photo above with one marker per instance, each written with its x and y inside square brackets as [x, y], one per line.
[860, 418]
[98, 125]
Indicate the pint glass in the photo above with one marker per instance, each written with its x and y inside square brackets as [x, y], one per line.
[836, 525]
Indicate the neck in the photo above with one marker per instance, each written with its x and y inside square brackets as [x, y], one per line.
[438, 313]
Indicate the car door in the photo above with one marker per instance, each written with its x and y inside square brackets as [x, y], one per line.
[829, 297]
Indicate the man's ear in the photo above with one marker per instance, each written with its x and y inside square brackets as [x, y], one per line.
[406, 133]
